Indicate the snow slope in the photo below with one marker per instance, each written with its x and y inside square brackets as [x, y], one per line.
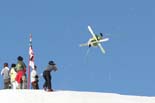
[40, 96]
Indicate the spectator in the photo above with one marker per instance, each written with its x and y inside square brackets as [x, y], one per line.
[6, 78]
[13, 74]
[34, 78]
[47, 76]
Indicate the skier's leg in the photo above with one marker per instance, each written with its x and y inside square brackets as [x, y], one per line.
[45, 83]
[49, 82]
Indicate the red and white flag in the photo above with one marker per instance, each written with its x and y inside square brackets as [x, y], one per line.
[31, 54]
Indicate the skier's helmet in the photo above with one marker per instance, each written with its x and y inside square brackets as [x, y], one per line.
[20, 58]
[51, 63]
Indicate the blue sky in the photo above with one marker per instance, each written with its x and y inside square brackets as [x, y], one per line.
[58, 27]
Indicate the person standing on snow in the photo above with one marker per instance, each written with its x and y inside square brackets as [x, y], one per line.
[21, 73]
[13, 74]
[34, 78]
[47, 76]
[6, 78]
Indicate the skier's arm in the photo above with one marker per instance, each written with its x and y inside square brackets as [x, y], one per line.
[55, 68]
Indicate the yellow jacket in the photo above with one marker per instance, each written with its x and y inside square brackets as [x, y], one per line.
[12, 74]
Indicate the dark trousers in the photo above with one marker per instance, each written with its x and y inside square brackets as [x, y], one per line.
[47, 77]
[7, 84]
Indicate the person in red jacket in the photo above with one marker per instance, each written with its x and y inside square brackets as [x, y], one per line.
[21, 73]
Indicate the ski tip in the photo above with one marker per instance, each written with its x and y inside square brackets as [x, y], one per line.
[88, 26]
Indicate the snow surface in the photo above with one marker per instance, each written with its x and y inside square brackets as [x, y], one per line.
[40, 96]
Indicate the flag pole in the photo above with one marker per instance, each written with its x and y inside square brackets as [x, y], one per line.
[28, 83]
[31, 61]
[30, 44]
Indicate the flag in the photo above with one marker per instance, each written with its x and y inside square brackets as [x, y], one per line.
[31, 60]
[31, 54]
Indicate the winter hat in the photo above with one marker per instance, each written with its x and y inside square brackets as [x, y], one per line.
[20, 58]
[5, 64]
[13, 65]
[51, 63]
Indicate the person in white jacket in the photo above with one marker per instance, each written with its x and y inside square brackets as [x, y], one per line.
[6, 78]
[34, 78]
[13, 74]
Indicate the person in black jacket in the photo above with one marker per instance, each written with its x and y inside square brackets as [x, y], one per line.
[47, 76]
